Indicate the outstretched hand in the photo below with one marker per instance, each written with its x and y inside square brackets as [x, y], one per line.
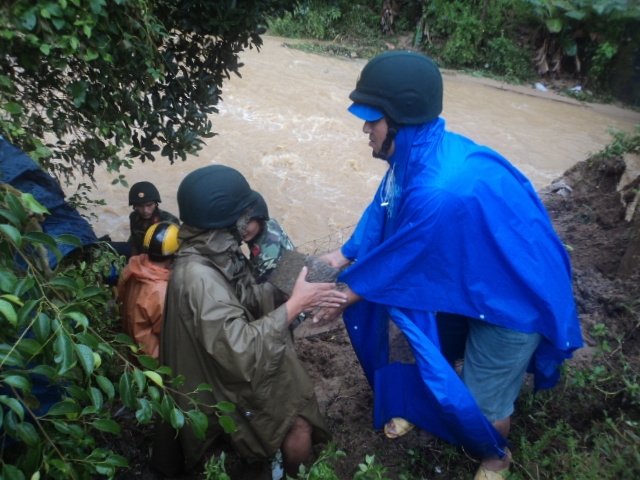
[307, 296]
[329, 314]
[336, 259]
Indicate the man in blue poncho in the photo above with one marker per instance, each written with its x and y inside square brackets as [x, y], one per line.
[458, 251]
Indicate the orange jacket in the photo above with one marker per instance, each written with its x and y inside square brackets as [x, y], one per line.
[141, 291]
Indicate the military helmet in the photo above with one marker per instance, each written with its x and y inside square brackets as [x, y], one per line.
[260, 209]
[406, 86]
[161, 240]
[214, 196]
[143, 192]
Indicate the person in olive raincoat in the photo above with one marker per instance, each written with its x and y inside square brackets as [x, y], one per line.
[222, 328]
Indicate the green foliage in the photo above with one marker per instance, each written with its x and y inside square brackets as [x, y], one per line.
[623, 142]
[434, 460]
[461, 47]
[586, 31]
[507, 60]
[458, 24]
[600, 71]
[370, 470]
[607, 451]
[507, 39]
[457, 31]
[316, 22]
[360, 21]
[589, 430]
[326, 20]
[56, 337]
[322, 469]
[83, 81]
[215, 468]
[81, 201]
[471, 35]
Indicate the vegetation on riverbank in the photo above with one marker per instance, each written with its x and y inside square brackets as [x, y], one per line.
[593, 43]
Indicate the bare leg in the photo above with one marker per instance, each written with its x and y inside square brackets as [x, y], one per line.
[497, 464]
[297, 447]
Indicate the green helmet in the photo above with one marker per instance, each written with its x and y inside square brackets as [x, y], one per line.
[143, 192]
[214, 197]
[405, 86]
[260, 209]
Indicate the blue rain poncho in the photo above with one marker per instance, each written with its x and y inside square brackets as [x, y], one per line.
[454, 228]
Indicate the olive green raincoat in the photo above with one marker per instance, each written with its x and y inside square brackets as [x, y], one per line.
[222, 328]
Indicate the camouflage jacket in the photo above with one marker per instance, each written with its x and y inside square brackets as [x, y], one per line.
[266, 249]
[139, 226]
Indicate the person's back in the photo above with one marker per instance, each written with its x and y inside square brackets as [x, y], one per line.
[143, 285]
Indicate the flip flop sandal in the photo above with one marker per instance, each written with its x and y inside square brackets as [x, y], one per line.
[484, 474]
[397, 427]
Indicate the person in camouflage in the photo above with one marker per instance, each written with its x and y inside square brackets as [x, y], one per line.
[266, 239]
[144, 197]
[267, 242]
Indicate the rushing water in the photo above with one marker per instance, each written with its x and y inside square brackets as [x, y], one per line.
[285, 126]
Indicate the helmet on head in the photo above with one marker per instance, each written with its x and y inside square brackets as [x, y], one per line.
[260, 209]
[404, 86]
[161, 240]
[143, 192]
[214, 197]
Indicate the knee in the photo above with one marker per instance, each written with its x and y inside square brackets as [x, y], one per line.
[301, 426]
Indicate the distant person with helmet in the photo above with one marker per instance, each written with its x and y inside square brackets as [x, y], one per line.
[266, 240]
[223, 329]
[458, 251]
[143, 286]
[144, 198]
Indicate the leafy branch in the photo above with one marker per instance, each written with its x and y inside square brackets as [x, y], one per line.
[63, 371]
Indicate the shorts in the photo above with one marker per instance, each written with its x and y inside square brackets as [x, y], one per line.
[495, 360]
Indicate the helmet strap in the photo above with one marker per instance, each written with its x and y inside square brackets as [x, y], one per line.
[233, 230]
[160, 258]
[392, 131]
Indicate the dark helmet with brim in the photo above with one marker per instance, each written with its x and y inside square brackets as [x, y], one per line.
[214, 196]
[405, 86]
[260, 210]
[143, 192]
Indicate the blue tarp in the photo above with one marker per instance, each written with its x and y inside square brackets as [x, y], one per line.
[21, 172]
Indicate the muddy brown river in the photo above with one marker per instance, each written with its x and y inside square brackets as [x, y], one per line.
[285, 126]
